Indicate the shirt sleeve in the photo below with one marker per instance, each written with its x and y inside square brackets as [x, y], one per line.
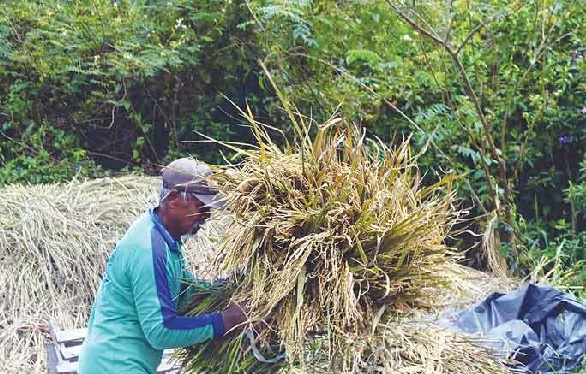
[161, 323]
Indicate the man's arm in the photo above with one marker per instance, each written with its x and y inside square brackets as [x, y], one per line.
[161, 323]
[234, 315]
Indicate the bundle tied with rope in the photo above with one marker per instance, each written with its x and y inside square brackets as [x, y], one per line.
[334, 238]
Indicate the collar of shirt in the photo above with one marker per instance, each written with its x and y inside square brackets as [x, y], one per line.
[172, 243]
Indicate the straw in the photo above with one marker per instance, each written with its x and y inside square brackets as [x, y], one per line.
[334, 235]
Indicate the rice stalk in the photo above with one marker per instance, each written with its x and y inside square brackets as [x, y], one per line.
[326, 237]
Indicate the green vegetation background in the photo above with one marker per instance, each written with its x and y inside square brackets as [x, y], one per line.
[492, 90]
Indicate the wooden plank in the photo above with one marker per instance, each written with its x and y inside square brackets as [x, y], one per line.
[70, 335]
[68, 367]
[71, 352]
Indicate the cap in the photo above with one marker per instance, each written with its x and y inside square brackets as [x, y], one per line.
[187, 174]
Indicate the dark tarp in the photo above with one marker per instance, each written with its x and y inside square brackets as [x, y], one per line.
[542, 328]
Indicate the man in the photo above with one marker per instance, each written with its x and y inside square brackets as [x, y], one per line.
[134, 316]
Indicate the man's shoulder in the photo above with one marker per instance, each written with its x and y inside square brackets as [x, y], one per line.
[138, 235]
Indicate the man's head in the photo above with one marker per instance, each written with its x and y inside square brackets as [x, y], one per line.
[186, 197]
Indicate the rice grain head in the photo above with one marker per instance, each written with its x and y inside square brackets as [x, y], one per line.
[326, 236]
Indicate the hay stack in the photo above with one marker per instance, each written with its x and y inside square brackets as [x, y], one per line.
[54, 242]
[336, 238]
[57, 237]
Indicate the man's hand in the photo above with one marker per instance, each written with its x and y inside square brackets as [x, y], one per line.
[234, 315]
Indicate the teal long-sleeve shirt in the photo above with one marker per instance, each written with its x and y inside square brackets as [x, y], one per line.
[134, 316]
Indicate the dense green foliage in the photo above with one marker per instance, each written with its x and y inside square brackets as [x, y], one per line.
[120, 83]
[490, 89]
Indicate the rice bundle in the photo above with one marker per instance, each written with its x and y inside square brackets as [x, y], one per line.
[331, 241]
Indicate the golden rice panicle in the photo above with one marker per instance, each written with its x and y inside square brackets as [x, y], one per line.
[332, 233]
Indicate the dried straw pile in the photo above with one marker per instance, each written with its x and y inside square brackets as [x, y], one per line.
[337, 240]
[54, 242]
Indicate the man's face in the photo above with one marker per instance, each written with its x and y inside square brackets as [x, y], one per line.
[190, 213]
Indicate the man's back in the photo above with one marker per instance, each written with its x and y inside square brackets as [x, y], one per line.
[134, 316]
[115, 341]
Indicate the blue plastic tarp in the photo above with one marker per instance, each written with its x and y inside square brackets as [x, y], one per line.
[542, 328]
